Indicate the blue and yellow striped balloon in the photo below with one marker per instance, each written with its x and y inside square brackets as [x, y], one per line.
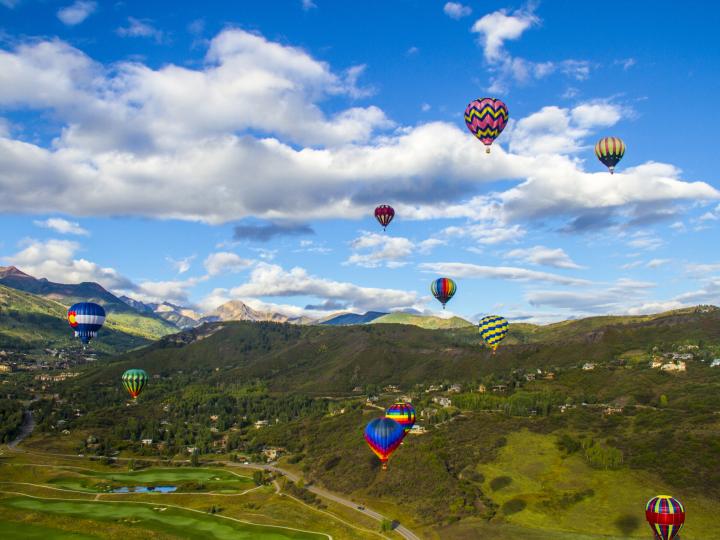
[493, 330]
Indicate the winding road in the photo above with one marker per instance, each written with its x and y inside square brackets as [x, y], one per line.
[28, 426]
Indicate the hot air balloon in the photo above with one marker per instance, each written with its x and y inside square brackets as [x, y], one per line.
[86, 319]
[384, 214]
[443, 289]
[493, 330]
[134, 380]
[384, 435]
[403, 413]
[486, 118]
[610, 151]
[666, 516]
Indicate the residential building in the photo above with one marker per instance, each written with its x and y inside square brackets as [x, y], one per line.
[261, 424]
[674, 366]
[146, 442]
[455, 389]
[417, 429]
[588, 366]
[715, 363]
[442, 401]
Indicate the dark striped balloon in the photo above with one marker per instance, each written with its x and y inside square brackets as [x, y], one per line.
[666, 516]
[134, 380]
[443, 289]
[486, 118]
[384, 214]
[86, 319]
[403, 413]
[610, 151]
[383, 436]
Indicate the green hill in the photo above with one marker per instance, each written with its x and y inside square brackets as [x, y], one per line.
[29, 322]
[431, 323]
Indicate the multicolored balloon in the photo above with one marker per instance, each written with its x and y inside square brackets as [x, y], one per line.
[384, 435]
[493, 330]
[134, 380]
[86, 319]
[384, 214]
[666, 516]
[610, 151]
[403, 413]
[486, 118]
[443, 289]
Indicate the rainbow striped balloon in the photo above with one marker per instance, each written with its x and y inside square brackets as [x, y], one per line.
[666, 516]
[443, 289]
[403, 413]
[486, 118]
[610, 151]
[493, 330]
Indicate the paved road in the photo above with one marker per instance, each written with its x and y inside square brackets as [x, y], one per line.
[27, 427]
[400, 529]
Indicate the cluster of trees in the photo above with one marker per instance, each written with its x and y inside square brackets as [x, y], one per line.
[517, 404]
[11, 415]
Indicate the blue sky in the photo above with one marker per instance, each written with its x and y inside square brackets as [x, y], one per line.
[204, 152]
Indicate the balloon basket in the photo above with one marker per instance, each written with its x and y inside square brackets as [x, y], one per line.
[487, 149]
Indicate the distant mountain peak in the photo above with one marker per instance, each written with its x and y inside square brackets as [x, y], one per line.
[13, 271]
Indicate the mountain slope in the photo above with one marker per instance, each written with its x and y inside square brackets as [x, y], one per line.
[235, 310]
[431, 323]
[31, 322]
[125, 317]
[353, 318]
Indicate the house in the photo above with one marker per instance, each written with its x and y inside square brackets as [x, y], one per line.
[358, 390]
[66, 432]
[146, 442]
[5, 368]
[612, 410]
[442, 401]
[674, 366]
[272, 453]
[214, 417]
[566, 407]
[715, 363]
[417, 429]
[482, 389]
[391, 388]
[549, 376]
[192, 450]
[588, 366]
[405, 399]
[261, 424]
[455, 389]
[656, 362]
[433, 388]
[529, 377]
[213, 429]
[499, 388]
[371, 400]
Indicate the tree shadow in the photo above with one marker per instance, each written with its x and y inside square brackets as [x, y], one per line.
[627, 524]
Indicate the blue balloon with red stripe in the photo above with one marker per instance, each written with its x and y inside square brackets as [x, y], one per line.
[86, 318]
[384, 435]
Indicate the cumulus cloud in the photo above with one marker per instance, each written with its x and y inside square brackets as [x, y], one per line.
[541, 255]
[474, 271]
[56, 261]
[486, 233]
[224, 262]
[76, 13]
[619, 297]
[307, 5]
[181, 265]
[266, 232]
[269, 280]
[498, 27]
[63, 226]
[237, 156]
[456, 10]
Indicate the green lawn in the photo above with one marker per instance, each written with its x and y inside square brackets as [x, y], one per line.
[21, 531]
[154, 517]
[539, 489]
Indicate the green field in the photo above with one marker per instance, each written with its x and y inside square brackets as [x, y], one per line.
[155, 517]
[22, 531]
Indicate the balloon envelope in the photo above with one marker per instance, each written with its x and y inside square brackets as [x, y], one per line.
[134, 380]
[666, 516]
[384, 214]
[383, 436]
[403, 414]
[486, 118]
[443, 289]
[86, 319]
[610, 151]
[493, 330]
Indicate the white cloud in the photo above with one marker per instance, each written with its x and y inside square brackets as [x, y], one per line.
[307, 5]
[181, 265]
[55, 260]
[141, 138]
[498, 27]
[273, 281]
[456, 10]
[373, 250]
[541, 255]
[618, 298]
[10, 4]
[486, 233]
[140, 28]
[76, 13]
[225, 262]
[412, 51]
[425, 107]
[645, 240]
[63, 226]
[657, 263]
[466, 270]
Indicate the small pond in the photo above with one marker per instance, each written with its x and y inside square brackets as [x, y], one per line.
[143, 489]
